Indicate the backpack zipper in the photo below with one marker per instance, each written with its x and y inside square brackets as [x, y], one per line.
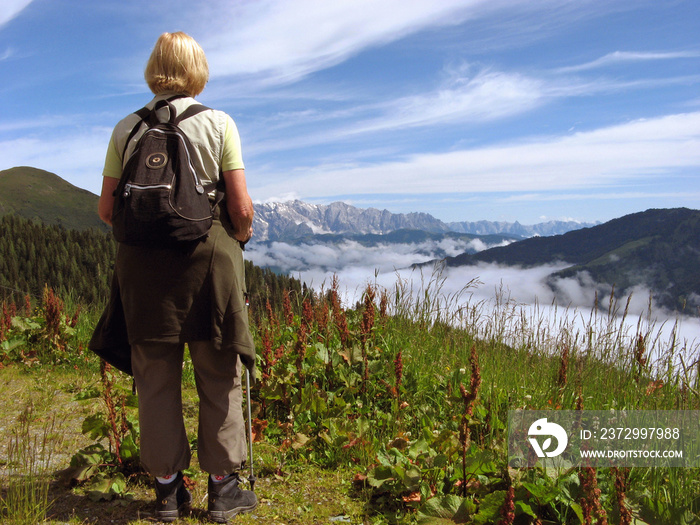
[129, 187]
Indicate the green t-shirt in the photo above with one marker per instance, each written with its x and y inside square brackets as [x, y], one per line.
[213, 134]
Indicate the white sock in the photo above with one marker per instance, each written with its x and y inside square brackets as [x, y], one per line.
[166, 479]
[218, 479]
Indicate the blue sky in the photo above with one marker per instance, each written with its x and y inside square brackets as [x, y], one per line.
[498, 109]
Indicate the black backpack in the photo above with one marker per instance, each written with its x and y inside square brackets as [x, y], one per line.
[160, 199]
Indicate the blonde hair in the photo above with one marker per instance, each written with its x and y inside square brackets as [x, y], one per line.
[177, 64]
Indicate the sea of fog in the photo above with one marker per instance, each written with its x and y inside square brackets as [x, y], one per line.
[513, 298]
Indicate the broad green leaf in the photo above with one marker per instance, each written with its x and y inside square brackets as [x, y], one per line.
[380, 475]
[542, 494]
[445, 509]
[577, 510]
[128, 449]
[490, 507]
[299, 441]
[419, 447]
[411, 478]
[523, 508]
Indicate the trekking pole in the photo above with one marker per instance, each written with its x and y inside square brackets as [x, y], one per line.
[251, 478]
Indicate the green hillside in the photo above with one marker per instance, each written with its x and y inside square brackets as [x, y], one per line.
[657, 249]
[39, 195]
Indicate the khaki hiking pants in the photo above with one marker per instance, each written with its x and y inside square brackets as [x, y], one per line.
[221, 438]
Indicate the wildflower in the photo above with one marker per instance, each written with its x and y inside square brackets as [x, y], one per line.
[383, 305]
[468, 399]
[5, 322]
[270, 315]
[590, 502]
[474, 384]
[639, 350]
[287, 306]
[341, 321]
[72, 321]
[268, 360]
[620, 489]
[398, 369]
[508, 508]
[654, 386]
[53, 310]
[367, 322]
[322, 315]
[307, 312]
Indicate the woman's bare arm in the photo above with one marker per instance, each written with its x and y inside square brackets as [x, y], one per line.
[106, 203]
[239, 204]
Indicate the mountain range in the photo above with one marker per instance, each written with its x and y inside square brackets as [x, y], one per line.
[655, 249]
[291, 220]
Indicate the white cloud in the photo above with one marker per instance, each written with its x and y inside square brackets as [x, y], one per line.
[9, 9]
[642, 148]
[351, 254]
[285, 40]
[483, 97]
[486, 96]
[281, 41]
[515, 302]
[619, 57]
[462, 99]
[602, 195]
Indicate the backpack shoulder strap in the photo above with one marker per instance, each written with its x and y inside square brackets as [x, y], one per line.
[191, 111]
[143, 114]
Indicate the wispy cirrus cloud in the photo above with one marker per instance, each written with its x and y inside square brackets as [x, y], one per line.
[489, 95]
[278, 42]
[642, 148]
[483, 97]
[620, 57]
[284, 41]
[463, 98]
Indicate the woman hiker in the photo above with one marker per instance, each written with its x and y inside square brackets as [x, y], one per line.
[194, 295]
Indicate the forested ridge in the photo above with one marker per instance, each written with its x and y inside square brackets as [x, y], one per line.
[74, 263]
[78, 264]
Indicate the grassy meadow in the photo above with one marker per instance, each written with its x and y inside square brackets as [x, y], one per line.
[393, 410]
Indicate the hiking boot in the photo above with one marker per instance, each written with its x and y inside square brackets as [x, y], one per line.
[172, 499]
[226, 499]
